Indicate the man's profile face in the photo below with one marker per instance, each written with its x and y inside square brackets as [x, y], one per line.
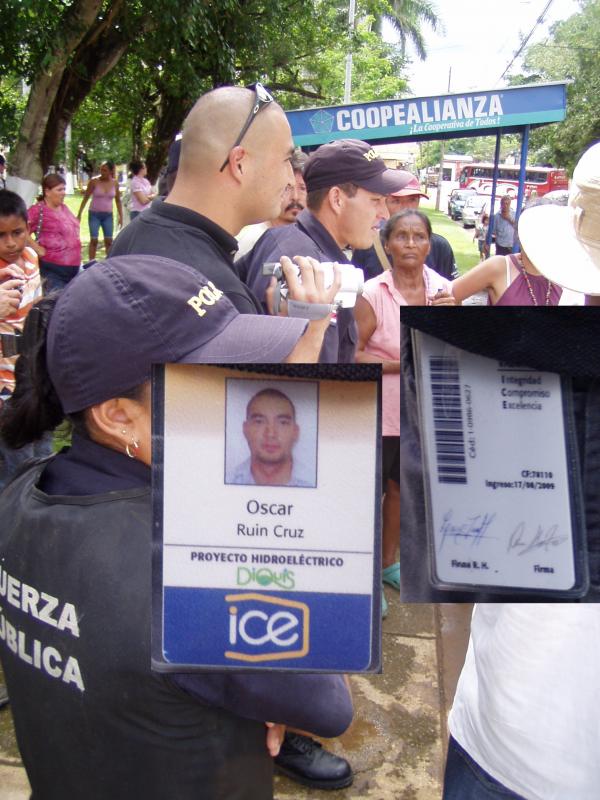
[397, 204]
[361, 218]
[272, 170]
[294, 200]
[270, 429]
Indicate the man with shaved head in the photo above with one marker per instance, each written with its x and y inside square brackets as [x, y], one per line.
[208, 205]
[234, 170]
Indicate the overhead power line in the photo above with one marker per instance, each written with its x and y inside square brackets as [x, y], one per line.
[539, 21]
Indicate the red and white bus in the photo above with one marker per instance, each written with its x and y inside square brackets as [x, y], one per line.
[540, 180]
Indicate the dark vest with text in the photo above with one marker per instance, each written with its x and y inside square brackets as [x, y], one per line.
[92, 720]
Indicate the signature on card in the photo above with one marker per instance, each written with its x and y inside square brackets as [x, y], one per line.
[522, 541]
[474, 529]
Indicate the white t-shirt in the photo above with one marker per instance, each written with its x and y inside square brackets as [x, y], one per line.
[248, 237]
[527, 706]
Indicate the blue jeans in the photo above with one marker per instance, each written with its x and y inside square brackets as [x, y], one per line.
[101, 219]
[466, 780]
[56, 276]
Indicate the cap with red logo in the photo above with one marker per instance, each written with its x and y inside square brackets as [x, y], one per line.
[411, 186]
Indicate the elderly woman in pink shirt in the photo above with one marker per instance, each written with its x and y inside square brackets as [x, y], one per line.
[407, 241]
[56, 231]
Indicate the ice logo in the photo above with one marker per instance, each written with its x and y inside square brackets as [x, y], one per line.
[263, 628]
[322, 122]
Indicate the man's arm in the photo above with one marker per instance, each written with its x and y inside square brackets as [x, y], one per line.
[271, 246]
[309, 345]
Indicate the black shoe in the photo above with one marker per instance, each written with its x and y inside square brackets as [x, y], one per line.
[3, 696]
[307, 762]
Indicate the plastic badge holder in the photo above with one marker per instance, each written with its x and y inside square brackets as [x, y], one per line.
[504, 501]
[219, 600]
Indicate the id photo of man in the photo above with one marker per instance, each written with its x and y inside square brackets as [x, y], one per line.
[276, 442]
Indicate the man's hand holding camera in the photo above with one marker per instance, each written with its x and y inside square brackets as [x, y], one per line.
[307, 295]
[309, 298]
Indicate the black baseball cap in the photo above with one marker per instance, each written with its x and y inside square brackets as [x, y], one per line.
[120, 316]
[351, 161]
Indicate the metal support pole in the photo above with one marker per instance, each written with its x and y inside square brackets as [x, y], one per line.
[348, 78]
[522, 169]
[494, 183]
[438, 193]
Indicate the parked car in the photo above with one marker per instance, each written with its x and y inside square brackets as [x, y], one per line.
[476, 205]
[473, 207]
[456, 201]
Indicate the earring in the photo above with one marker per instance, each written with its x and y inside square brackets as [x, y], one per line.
[132, 445]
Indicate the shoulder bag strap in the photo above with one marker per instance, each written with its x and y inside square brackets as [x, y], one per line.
[39, 225]
[381, 254]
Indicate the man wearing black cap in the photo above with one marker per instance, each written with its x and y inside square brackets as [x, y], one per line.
[347, 182]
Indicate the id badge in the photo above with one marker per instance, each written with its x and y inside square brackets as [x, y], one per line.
[503, 489]
[266, 520]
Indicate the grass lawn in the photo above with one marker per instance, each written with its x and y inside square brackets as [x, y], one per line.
[461, 239]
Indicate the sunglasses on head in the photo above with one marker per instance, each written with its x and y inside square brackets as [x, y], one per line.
[262, 98]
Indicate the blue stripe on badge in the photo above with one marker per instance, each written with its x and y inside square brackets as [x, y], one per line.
[300, 630]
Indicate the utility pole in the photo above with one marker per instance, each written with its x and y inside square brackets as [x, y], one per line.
[348, 80]
[438, 194]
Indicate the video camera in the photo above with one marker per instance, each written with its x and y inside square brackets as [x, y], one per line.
[353, 280]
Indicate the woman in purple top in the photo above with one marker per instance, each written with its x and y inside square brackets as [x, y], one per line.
[509, 281]
[140, 189]
[56, 231]
[104, 190]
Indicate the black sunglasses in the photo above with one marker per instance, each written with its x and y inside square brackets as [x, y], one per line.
[262, 98]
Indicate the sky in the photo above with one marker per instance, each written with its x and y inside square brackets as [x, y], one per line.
[478, 42]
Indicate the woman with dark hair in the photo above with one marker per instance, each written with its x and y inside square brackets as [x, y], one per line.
[406, 238]
[76, 551]
[103, 189]
[140, 190]
[56, 231]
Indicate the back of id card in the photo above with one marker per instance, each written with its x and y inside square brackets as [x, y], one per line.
[505, 508]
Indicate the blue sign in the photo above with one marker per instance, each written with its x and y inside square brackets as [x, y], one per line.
[292, 630]
[417, 117]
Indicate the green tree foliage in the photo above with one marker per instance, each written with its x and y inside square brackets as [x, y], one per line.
[407, 18]
[572, 52]
[126, 72]
[482, 148]
[377, 69]
[12, 105]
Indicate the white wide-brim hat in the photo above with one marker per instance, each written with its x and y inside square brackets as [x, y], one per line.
[563, 243]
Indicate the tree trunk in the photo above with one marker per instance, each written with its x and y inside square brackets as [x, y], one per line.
[25, 163]
[95, 57]
[173, 110]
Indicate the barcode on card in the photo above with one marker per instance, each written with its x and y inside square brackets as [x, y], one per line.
[448, 427]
